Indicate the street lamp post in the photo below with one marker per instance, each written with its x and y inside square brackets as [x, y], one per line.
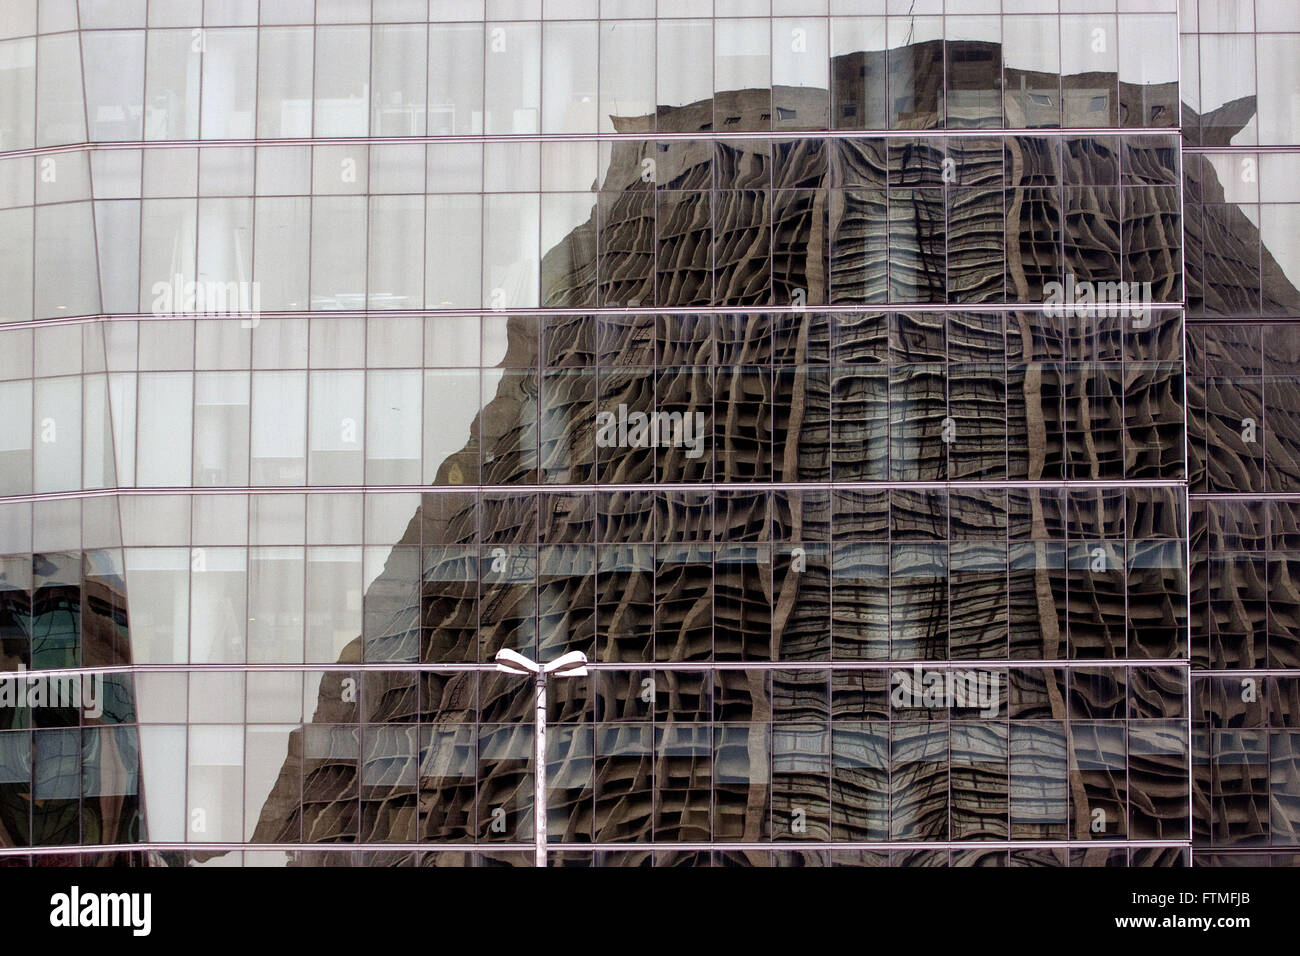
[572, 664]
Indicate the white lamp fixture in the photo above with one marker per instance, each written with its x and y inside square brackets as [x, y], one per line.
[572, 664]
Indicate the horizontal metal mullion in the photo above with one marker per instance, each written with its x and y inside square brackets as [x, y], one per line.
[703, 486]
[1212, 150]
[616, 666]
[605, 137]
[553, 848]
[1108, 309]
[1244, 495]
[1239, 319]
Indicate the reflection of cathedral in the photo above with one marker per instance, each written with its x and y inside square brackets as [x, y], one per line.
[644, 577]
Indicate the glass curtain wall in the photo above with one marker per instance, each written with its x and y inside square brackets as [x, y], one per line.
[819, 369]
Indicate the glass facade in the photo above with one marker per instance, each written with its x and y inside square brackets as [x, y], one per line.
[1241, 151]
[891, 398]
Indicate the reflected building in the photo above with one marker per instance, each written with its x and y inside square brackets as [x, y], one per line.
[914, 568]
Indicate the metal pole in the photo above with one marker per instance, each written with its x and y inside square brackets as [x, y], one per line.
[539, 774]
